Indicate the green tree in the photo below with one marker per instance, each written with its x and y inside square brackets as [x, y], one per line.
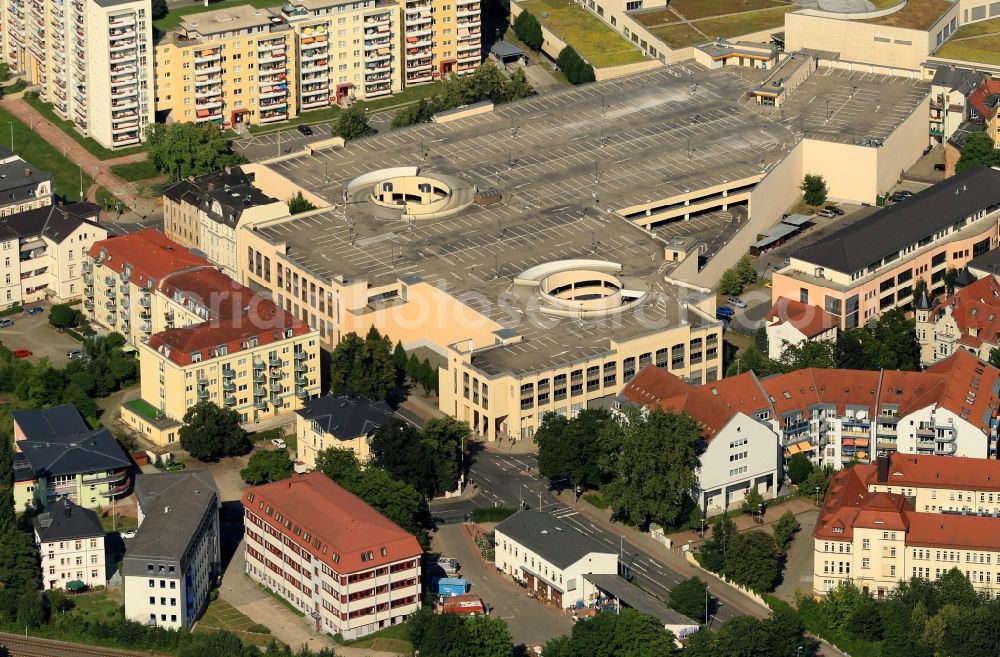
[353, 123]
[183, 149]
[62, 315]
[714, 550]
[517, 86]
[159, 9]
[428, 377]
[978, 150]
[528, 30]
[690, 598]
[629, 633]
[299, 204]
[653, 468]
[799, 467]
[745, 271]
[785, 529]
[891, 344]
[576, 448]
[438, 635]
[487, 637]
[30, 609]
[399, 359]
[575, 68]
[730, 283]
[753, 561]
[210, 432]
[7, 514]
[750, 359]
[362, 367]
[950, 276]
[753, 501]
[813, 189]
[995, 356]
[266, 466]
[338, 464]
[809, 353]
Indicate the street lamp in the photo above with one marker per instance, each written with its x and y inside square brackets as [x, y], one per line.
[817, 495]
[706, 605]
[760, 513]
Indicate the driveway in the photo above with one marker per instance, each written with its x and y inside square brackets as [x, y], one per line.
[798, 576]
[34, 333]
[752, 317]
[530, 621]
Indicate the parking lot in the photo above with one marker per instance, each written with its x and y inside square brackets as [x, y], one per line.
[530, 621]
[281, 142]
[35, 334]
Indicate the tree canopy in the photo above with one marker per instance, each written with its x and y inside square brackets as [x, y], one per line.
[629, 633]
[426, 459]
[978, 150]
[690, 598]
[363, 367]
[299, 204]
[528, 30]
[736, 279]
[813, 189]
[267, 466]
[183, 149]
[575, 449]
[210, 432]
[574, 67]
[353, 123]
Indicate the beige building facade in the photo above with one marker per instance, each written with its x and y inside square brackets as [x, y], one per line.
[70, 542]
[92, 59]
[43, 252]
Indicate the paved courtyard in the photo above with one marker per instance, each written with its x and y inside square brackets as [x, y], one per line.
[34, 333]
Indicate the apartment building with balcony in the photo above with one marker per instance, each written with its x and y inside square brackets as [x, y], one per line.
[969, 319]
[70, 542]
[345, 51]
[341, 422]
[174, 561]
[57, 456]
[837, 417]
[909, 516]
[92, 59]
[862, 270]
[330, 555]
[43, 252]
[207, 212]
[229, 66]
[949, 106]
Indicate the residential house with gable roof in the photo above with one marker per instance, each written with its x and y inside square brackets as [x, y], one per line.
[968, 319]
[791, 322]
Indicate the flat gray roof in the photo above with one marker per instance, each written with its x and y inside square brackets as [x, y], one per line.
[550, 538]
[173, 506]
[636, 598]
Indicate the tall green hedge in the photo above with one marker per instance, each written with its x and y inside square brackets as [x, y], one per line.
[574, 67]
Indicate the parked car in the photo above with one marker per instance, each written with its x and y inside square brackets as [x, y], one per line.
[6, 323]
[128, 533]
[33, 311]
[737, 302]
[837, 211]
[899, 197]
[23, 353]
[305, 130]
[279, 443]
[828, 214]
[939, 167]
[73, 354]
[724, 312]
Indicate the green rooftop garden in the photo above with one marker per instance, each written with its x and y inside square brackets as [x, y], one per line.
[916, 15]
[589, 35]
[978, 42]
[173, 19]
[142, 408]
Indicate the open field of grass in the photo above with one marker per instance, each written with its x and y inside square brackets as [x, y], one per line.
[87, 143]
[982, 28]
[695, 9]
[595, 41]
[96, 605]
[395, 638]
[680, 35]
[982, 49]
[134, 171]
[740, 24]
[916, 15]
[42, 155]
[173, 19]
[221, 615]
[656, 17]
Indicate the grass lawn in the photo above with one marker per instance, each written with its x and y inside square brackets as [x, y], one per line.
[395, 638]
[89, 144]
[884, 4]
[120, 523]
[39, 153]
[916, 15]
[740, 24]
[136, 171]
[595, 41]
[142, 408]
[984, 50]
[680, 35]
[981, 28]
[695, 9]
[19, 85]
[655, 17]
[96, 605]
[221, 615]
[173, 19]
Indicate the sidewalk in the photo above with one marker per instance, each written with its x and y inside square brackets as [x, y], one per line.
[99, 169]
[287, 627]
[745, 522]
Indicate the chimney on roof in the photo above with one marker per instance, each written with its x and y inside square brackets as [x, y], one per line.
[27, 172]
[166, 509]
[882, 469]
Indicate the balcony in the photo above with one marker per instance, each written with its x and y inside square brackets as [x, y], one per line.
[275, 373]
[207, 56]
[261, 404]
[258, 364]
[227, 371]
[276, 399]
[88, 290]
[229, 386]
[145, 327]
[230, 400]
[271, 118]
[275, 361]
[202, 393]
[88, 304]
[259, 378]
[144, 301]
[111, 319]
[276, 386]
[105, 477]
[301, 391]
[110, 305]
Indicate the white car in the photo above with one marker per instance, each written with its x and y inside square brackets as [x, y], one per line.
[278, 443]
[128, 534]
[737, 302]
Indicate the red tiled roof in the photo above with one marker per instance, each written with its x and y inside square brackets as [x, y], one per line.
[953, 531]
[210, 288]
[149, 253]
[925, 471]
[977, 98]
[261, 319]
[844, 499]
[342, 524]
[653, 387]
[810, 321]
[969, 388]
[975, 307]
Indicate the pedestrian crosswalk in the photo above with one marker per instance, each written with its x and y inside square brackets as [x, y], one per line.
[564, 512]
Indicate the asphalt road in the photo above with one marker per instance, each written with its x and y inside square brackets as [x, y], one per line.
[288, 140]
[509, 480]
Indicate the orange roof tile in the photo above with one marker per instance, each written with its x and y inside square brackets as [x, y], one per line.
[150, 255]
[975, 308]
[925, 471]
[341, 523]
[810, 321]
[653, 387]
